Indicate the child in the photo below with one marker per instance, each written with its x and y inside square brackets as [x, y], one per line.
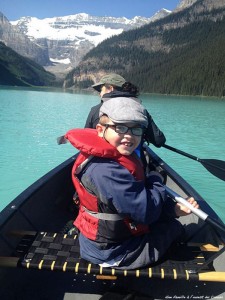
[126, 220]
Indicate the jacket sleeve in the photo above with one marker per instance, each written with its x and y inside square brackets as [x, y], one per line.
[93, 117]
[153, 134]
[88, 123]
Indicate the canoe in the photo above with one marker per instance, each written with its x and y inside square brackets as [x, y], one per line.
[39, 260]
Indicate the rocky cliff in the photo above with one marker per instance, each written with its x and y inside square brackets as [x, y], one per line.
[15, 39]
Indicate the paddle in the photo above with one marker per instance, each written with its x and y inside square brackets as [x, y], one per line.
[198, 212]
[214, 166]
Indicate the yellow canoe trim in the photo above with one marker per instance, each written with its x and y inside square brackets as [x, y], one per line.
[204, 247]
[76, 267]
[52, 265]
[64, 266]
[212, 276]
[187, 274]
[200, 256]
[100, 271]
[174, 273]
[209, 247]
[106, 277]
[89, 268]
[40, 264]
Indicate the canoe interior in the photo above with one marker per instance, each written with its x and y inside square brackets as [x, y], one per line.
[46, 206]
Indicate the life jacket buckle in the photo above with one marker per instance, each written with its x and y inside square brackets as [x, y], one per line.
[132, 226]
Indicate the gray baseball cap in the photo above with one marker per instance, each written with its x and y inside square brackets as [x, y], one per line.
[124, 110]
[112, 79]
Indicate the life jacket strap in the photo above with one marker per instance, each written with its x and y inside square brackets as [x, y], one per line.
[105, 216]
[83, 164]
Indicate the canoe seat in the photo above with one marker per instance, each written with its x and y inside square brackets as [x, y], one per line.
[60, 252]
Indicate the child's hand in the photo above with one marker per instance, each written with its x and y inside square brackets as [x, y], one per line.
[182, 210]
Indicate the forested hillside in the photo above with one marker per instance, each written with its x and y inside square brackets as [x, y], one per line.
[20, 71]
[181, 54]
[196, 68]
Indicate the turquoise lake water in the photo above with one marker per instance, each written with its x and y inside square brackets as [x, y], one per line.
[31, 120]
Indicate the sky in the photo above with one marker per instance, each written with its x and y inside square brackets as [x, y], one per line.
[15, 9]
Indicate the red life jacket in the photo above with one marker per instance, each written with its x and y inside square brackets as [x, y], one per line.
[104, 225]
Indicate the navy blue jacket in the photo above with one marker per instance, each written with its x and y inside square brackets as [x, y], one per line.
[144, 202]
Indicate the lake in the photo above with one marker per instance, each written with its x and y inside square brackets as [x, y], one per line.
[32, 119]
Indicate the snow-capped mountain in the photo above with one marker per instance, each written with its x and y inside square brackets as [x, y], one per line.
[69, 38]
[160, 14]
[76, 27]
[185, 4]
[81, 26]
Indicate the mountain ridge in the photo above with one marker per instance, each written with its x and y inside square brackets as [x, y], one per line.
[69, 38]
[156, 56]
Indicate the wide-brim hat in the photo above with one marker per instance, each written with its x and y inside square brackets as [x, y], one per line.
[111, 79]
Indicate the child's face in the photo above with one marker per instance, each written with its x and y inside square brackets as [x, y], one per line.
[125, 143]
